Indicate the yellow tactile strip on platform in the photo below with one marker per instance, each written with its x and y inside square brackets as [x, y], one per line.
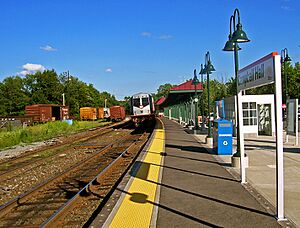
[137, 206]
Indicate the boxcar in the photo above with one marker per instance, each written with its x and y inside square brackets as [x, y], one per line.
[88, 113]
[117, 113]
[103, 113]
[46, 112]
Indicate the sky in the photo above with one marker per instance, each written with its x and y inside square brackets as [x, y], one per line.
[130, 46]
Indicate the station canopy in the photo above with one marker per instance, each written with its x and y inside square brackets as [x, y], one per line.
[180, 94]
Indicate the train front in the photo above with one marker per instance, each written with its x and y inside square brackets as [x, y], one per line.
[142, 107]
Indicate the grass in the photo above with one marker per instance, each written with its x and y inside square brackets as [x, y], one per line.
[46, 154]
[4, 166]
[41, 132]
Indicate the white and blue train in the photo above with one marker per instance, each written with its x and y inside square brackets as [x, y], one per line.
[142, 107]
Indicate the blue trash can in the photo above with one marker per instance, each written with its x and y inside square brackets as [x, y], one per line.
[222, 136]
[70, 122]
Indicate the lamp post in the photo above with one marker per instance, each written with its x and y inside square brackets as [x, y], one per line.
[67, 76]
[208, 68]
[284, 59]
[238, 36]
[195, 82]
[202, 71]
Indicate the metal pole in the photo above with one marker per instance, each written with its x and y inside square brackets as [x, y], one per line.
[237, 122]
[285, 82]
[286, 98]
[208, 98]
[68, 97]
[196, 109]
[241, 140]
[297, 123]
[202, 104]
[63, 95]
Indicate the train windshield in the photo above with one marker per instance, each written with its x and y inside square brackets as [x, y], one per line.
[145, 101]
[136, 102]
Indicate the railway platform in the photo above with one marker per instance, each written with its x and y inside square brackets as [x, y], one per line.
[177, 183]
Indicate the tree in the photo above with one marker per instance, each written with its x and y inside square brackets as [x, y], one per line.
[13, 96]
[163, 90]
[217, 92]
[44, 87]
[293, 76]
[47, 88]
[231, 87]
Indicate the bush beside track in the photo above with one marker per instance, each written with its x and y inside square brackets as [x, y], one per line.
[42, 132]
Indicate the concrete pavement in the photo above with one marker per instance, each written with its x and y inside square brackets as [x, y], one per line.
[196, 190]
[261, 174]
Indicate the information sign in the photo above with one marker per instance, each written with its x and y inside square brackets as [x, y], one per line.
[259, 73]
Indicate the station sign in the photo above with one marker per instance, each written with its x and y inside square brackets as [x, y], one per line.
[259, 73]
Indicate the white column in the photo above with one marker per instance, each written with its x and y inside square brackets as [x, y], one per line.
[297, 122]
[279, 140]
[241, 138]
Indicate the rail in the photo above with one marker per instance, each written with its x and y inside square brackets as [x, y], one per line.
[53, 221]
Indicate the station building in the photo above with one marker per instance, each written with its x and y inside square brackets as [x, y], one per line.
[258, 114]
[258, 110]
[180, 102]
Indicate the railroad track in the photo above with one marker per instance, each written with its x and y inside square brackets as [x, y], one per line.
[8, 164]
[36, 168]
[40, 203]
[21, 162]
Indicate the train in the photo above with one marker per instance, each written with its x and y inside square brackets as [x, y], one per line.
[141, 107]
[114, 113]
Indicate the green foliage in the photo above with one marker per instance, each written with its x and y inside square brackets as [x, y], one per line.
[217, 92]
[126, 104]
[220, 90]
[47, 88]
[293, 78]
[163, 90]
[44, 87]
[43, 132]
[13, 96]
[231, 87]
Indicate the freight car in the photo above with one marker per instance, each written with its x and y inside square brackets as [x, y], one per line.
[46, 112]
[15, 121]
[141, 107]
[103, 113]
[117, 113]
[88, 113]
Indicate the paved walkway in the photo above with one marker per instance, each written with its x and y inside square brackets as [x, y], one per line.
[261, 174]
[197, 191]
[193, 189]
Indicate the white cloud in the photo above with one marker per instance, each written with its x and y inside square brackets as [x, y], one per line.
[287, 8]
[146, 34]
[162, 37]
[165, 37]
[48, 48]
[108, 70]
[23, 72]
[31, 68]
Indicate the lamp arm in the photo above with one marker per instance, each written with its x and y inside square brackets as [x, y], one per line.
[201, 69]
[286, 52]
[236, 11]
[207, 58]
[230, 23]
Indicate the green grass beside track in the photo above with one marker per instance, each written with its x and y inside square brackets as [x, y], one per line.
[40, 132]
